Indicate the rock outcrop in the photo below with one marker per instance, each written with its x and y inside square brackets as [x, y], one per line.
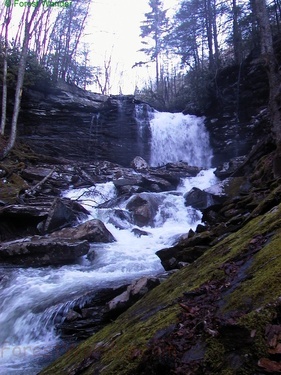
[101, 307]
[66, 121]
[42, 251]
[60, 247]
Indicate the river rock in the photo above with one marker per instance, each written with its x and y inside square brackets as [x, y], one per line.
[89, 313]
[129, 183]
[144, 207]
[38, 251]
[139, 164]
[157, 184]
[121, 219]
[92, 230]
[201, 199]
[138, 232]
[133, 293]
[189, 248]
[183, 169]
[228, 168]
[63, 213]
[174, 257]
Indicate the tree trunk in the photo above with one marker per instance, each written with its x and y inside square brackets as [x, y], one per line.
[271, 65]
[20, 78]
[274, 79]
[5, 69]
[236, 34]
[208, 22]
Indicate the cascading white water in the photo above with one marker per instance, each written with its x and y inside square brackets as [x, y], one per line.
[34, 300]
[178, 137]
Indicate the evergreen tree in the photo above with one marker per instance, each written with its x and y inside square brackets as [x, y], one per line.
[154, 27]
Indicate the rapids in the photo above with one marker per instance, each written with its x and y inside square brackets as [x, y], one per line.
[34, 300]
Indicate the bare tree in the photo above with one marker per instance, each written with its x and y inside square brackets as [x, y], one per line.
[102, 77]
[30, 20]
[5, 36]
[65, 38]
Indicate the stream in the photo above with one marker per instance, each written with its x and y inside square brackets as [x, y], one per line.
[34, 300]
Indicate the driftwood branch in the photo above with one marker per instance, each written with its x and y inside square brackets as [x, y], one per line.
[40, 183]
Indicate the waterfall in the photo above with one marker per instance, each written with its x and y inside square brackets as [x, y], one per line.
[174, 137]
[178, 137]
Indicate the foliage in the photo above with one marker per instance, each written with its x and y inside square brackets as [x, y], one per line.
[205, 36]
[155, 26]
[190, 91]
[36, 75]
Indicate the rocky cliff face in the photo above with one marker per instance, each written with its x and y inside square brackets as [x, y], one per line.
[236, 115]
[69, 122]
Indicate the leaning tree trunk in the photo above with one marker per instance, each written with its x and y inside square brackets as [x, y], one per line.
[18, 95]
[20, 78]
[5, 31]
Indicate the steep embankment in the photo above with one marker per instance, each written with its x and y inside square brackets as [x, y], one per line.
[218, 315]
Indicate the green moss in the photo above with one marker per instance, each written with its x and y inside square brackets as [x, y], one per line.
[256, 322]
[11, 188]
[233, 186]
[214, 355]
[262, 284]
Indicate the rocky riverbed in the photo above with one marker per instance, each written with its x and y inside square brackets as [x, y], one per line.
[224, 284]
[41, 228]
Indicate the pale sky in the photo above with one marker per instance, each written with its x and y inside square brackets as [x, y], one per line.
[114, 28]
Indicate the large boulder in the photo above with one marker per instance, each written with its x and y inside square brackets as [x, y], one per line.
[189, 248]
[60, 247]
[129, 184]
[92, 230]
[88, 314]
[144, 207]
[19, 220]
[38, 251]
[139, 164]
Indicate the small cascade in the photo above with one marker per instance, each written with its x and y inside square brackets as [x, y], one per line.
[143, 115]
[93, 133]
